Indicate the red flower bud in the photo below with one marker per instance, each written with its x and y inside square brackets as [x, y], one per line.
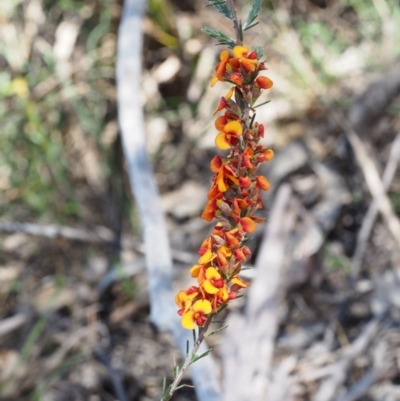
[245, 182]
[264, 82]
[236, 78]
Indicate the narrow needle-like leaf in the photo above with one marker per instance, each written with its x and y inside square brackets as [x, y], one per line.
[262, 104]
[217, 331]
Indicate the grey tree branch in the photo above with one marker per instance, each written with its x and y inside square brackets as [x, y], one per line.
[370, 217]
[98, 235]
[158, 256]
[329, 386]
[371, 176]
[249, 341]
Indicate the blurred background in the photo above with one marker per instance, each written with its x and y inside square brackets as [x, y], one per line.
[73, 303]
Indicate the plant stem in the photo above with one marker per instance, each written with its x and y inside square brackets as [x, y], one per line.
[188, 360]
[236, 24]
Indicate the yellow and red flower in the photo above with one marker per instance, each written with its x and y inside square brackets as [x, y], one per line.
[228, 135]
[235, 191]
[197, 315]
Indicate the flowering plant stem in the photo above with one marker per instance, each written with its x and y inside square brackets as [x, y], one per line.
[234, 195]
[190, 358]
[236, 25]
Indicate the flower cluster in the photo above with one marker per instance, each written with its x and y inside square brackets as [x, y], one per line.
[235, 191]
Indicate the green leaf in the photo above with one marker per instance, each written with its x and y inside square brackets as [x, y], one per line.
[163, 388]
[251, 26]
[251, 124]
[194, 335]
[187, 348]
[176, 371]
[259, 51]
[246, 241]
[217, 331]
[221, 37]
[261, 104]
[221, 7]
[195, 358]
[253, 14]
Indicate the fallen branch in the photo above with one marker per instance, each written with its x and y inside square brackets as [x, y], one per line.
[371, 176]
[370, 217]
[339, 370]
[158, 256]
[249, 341]
[99, 235]
[12, 323]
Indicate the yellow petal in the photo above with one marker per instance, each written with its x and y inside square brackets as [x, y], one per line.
[214, 80]
[223, 294]
[230, 93]
[209, 288]
[233, 128]
[195, 270]
[240, 51]
[211, 272]
[188, 320]
[221, 142]
[226, 251]
[222, 186]
[203, 306]
[236, 280]
[180, 298]
[206, 257]
[224, 55]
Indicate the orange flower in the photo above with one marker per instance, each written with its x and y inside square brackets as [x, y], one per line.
[262, 183]
[236, 280]
[210, 209]
[225, 173]
[208, 256]
[199, 272]
[264, 82]
[223, 104]
[220, 68]
[230, 131]
[213, 281]
[246, 58]
[184, 299]
[247, 224]
[236, 78]
[196, 315]
[235, 192]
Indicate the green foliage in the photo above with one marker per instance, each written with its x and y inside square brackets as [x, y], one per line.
[335, 261]
[217, 331]
[253, 14]
[221, 7]
[221, 37]
[259, 51]
[195, 358]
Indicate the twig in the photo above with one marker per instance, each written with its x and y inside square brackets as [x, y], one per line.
[372, 212]
[371, 176]
[158, 256]
[100, 235]
[189, 360]
[339, 369]
[237, 26]
[12, 323]
[359, 388]
[120, 392]
[249, 341]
